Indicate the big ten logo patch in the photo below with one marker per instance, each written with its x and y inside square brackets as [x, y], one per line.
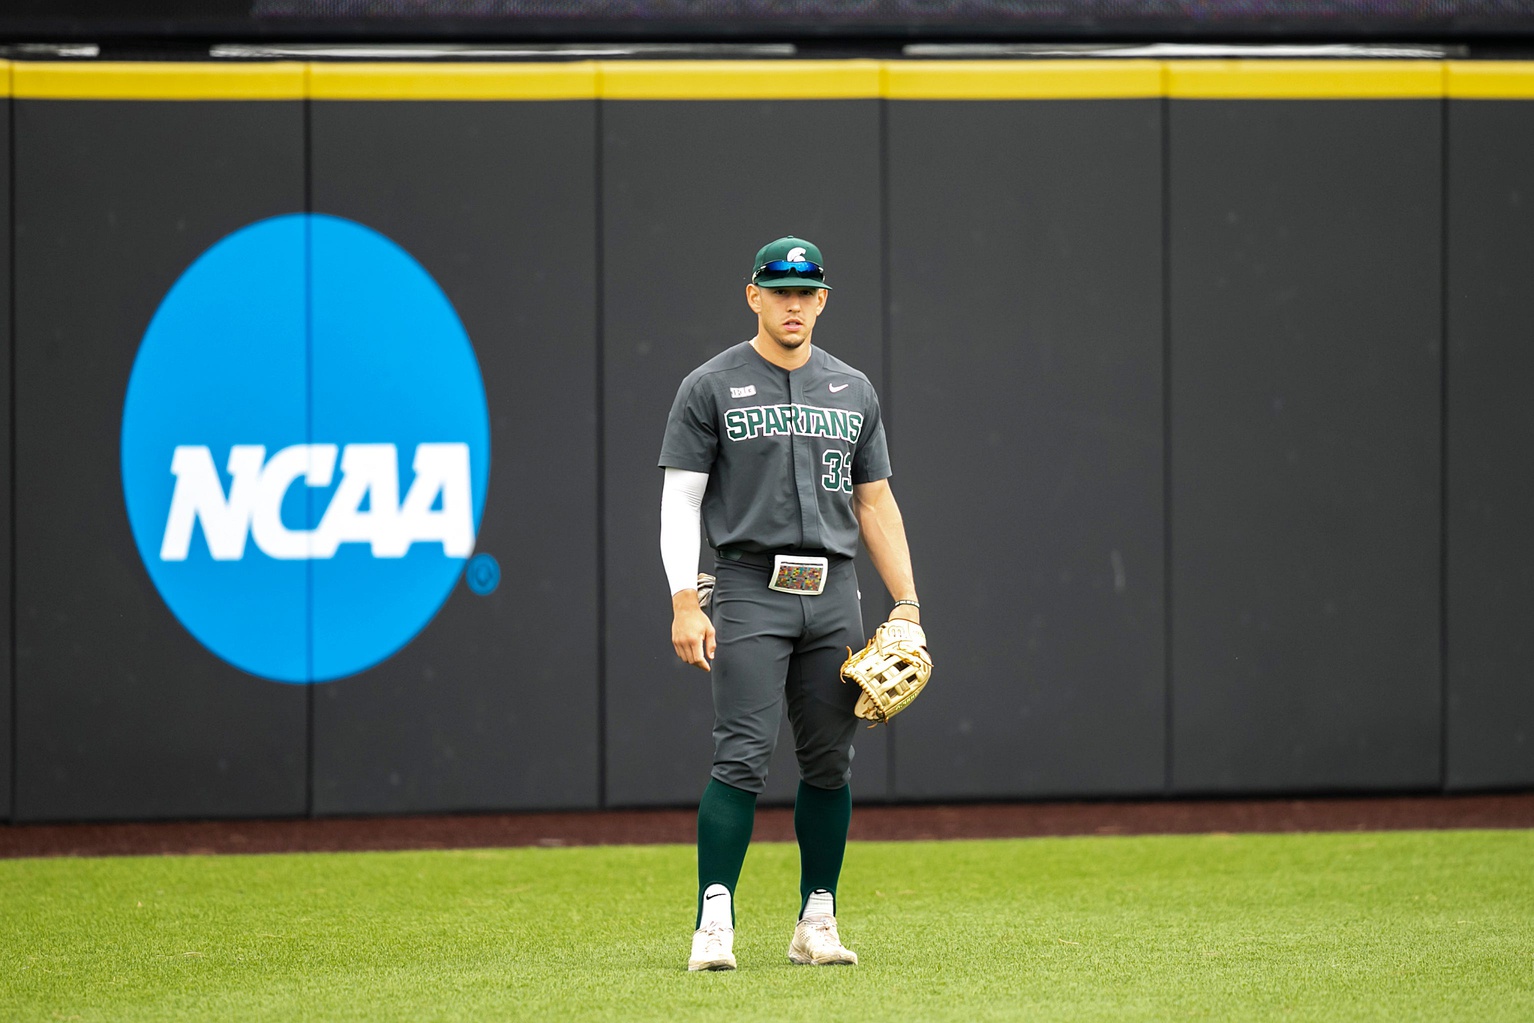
[305, 448]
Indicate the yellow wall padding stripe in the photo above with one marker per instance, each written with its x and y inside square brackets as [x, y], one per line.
[745, 79]
[1305, 79]
[191, 81]
[5, 78]
[786, 79]
[1491, 79]
[1023, 79]
[453, 81]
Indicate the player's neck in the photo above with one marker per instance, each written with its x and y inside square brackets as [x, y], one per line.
[784, 358]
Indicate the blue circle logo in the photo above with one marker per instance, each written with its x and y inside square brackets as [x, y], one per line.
[484, 574]
[305, 448]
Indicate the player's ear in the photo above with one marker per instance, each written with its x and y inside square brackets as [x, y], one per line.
[754, 298]
[822, 297]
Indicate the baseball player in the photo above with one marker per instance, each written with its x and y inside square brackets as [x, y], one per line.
[778, 448]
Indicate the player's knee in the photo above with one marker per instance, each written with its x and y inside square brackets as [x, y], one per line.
[830, 769]
[741, 775]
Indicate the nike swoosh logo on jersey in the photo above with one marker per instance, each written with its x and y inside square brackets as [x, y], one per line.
[838, 388]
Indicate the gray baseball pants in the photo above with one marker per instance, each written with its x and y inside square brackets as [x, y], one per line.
[783, 649]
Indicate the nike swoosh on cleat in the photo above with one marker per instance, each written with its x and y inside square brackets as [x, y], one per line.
[714, 896]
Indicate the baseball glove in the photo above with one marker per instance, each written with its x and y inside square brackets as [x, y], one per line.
[891, 669]
[705, 590]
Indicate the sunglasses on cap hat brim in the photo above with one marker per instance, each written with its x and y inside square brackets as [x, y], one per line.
[796, 267]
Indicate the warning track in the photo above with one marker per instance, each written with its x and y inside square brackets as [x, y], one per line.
[869, 823]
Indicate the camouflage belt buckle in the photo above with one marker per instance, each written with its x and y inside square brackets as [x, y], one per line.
[804, 576]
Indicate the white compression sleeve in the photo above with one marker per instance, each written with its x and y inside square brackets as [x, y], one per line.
[681, 503]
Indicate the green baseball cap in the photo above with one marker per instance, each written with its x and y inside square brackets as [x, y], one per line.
[789, 263]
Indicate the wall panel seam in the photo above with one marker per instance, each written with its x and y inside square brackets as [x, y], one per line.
[887, 357]
[1167, 663]
[310, 696]
[10, 443]
[1443, 447]
[598, 282]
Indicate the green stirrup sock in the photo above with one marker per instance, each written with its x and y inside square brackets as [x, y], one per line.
[821, 818]
[725, 817]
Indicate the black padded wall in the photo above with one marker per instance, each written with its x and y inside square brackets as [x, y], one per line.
[1490, 432]
[1025, 327]
[1198, 501]
[494, 704]
[120, 712]
[1305, 317]
[686, 203]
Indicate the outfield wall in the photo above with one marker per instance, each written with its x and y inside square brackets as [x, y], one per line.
[1206, 387]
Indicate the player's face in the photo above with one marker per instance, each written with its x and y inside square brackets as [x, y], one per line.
[787, 315]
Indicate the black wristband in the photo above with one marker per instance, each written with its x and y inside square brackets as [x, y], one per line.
[910, 602]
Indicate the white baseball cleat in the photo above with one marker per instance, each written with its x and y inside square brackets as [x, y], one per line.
[816, 943]
[712, 948]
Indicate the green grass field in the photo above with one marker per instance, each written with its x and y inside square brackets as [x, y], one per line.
[1378, 926]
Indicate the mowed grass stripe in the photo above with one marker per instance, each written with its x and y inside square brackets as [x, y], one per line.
[1360, 926]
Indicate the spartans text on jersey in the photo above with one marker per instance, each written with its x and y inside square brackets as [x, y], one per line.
[804, 420]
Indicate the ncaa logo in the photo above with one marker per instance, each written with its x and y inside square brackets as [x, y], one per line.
[305, 448]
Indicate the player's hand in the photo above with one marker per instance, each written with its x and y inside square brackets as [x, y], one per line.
[906, 613]
[692, 636]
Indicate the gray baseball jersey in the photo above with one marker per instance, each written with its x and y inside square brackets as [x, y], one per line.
[782, 449]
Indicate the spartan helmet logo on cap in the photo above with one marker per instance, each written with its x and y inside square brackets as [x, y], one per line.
[796, 255]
